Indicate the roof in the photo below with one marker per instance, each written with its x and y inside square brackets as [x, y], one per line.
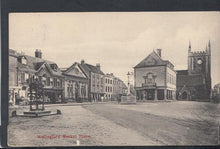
[75, 71]
[34, 63]
[153, 59]
[182, 72]
[87, 68]
[217, 85]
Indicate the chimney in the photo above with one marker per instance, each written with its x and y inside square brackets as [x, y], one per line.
[98, 66]
[159, 52]
[38, 53]
[82, 61]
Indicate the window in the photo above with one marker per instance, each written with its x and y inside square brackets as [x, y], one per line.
[26, 76]
[51, 81]
[22, 77]
[149, 79]
[58, 82]
[24, 60]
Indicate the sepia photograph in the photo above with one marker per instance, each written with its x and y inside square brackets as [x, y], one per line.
[113, 78]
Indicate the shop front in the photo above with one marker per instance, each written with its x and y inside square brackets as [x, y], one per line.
[52, 95]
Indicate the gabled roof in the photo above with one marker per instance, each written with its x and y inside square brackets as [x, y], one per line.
[74, 70]
[34, 63]
[153, 59]
[87, 68]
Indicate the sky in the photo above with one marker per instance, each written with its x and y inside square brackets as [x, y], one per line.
[116, 40]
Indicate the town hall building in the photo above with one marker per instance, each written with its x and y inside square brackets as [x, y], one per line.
[155, 78]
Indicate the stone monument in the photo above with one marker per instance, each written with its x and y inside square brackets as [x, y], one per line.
[129, 98]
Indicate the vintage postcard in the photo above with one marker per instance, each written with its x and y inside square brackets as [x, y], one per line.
[114, 79]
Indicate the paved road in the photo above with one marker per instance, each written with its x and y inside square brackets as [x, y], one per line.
[160, 129]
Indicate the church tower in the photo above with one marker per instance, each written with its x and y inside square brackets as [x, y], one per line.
[199, 64]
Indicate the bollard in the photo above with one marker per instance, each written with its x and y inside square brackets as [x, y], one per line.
[58, 112]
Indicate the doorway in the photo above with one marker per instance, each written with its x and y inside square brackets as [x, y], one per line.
[184, 95]
[150, 94]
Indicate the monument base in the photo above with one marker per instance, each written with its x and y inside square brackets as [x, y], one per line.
[129, 99]
[35, 113]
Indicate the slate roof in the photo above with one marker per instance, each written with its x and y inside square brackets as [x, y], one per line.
[182, 72]
[159, 61]
[34, 63]
[87, 68]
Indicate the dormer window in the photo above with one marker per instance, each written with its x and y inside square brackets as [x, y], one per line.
[22, 60]
[54, 67]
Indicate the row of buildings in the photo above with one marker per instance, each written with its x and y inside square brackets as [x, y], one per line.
[79, 82]
[156, 79]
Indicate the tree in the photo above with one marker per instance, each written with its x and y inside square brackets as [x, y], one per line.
[36, 94]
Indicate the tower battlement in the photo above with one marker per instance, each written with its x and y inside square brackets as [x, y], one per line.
[199, 53]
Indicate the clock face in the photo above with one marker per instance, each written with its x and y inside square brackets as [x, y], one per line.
[199, 61]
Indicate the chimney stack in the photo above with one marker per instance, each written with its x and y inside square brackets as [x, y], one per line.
[98, 66]
[38, 53]
[159, 52]
[82, 61]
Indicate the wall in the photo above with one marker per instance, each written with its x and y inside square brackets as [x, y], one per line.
[171, 83]
[159, 71]
[108, 86]
[97, 83]
[12, 71]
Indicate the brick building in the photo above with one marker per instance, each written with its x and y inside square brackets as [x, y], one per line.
[155, 78]
[195, 83]
[96, 80]
[109, 86]
[118, 88]
[23, 69]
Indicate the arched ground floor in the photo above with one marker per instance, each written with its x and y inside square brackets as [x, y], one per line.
[155, 94]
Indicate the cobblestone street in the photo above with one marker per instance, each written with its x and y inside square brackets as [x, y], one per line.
[113, 124]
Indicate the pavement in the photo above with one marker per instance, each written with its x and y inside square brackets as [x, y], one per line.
[164, 123]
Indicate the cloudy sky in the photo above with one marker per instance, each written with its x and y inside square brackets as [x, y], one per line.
[116, 40]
